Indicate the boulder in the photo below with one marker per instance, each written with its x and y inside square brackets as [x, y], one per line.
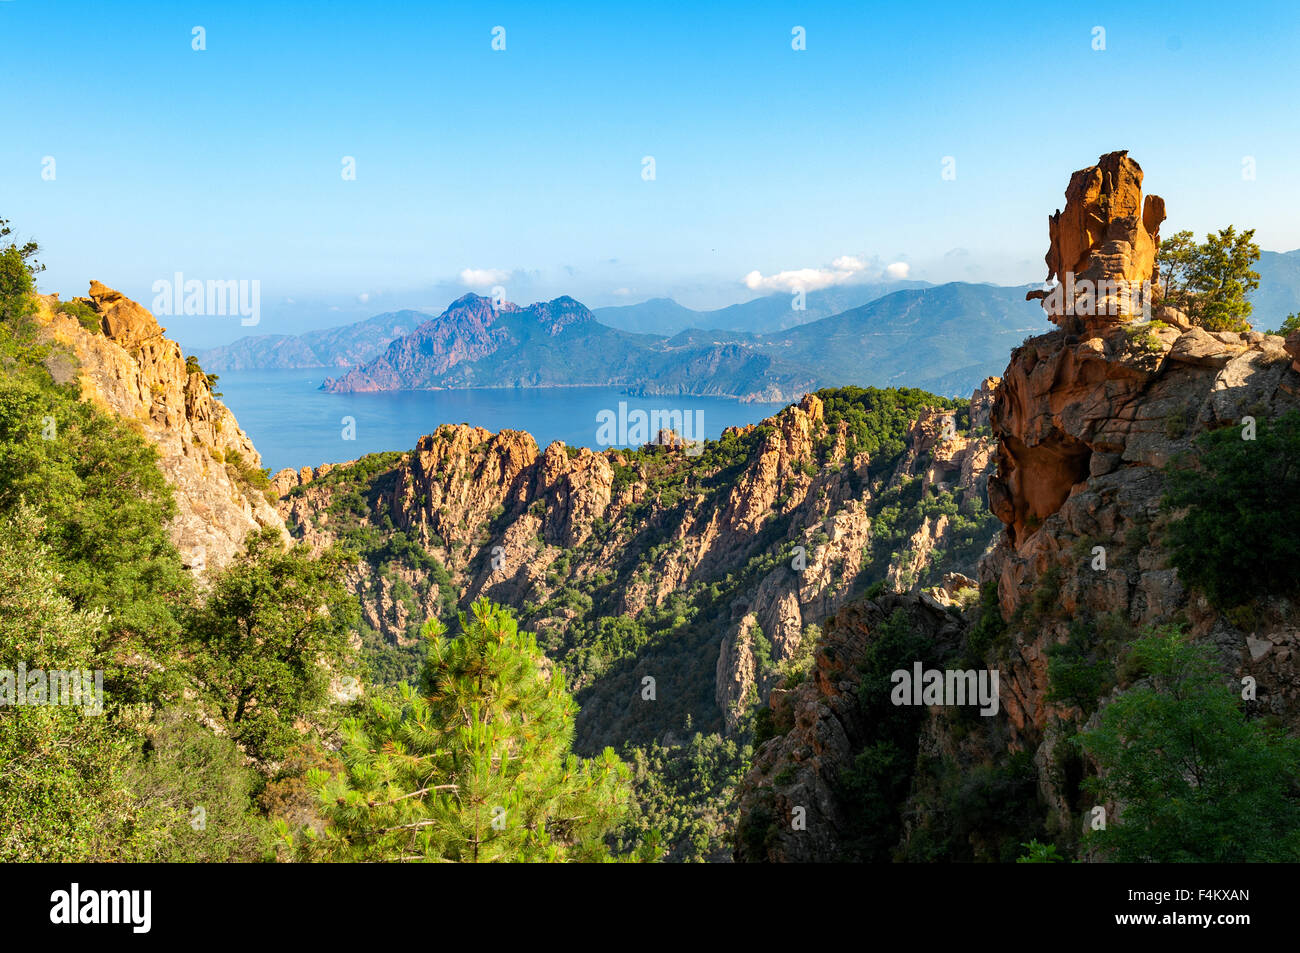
[125, 322]
[1197, 346]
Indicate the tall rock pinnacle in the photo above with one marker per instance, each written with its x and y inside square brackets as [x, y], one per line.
[1103, 247]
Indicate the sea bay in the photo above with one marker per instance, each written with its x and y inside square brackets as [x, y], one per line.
[295, 424]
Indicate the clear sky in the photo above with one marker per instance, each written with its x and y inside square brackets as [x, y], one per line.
[524, 166]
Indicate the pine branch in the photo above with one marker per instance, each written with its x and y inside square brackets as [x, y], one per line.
[434, 787]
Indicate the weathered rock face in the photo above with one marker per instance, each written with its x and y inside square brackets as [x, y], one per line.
[1085, 429]
[1087, 421]
[576, 492]
[457, 477]
[1103, 246]
[1086, 418]
[803, 767]
[945, 461]
[1292, 347]
[124, 321]
[132, 370]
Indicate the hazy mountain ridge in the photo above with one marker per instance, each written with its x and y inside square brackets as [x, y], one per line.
[955, 334]
[765, 315]
[343, 346]
[1279, 289]
[473, 344]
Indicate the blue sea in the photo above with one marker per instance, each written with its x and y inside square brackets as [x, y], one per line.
[295, 424]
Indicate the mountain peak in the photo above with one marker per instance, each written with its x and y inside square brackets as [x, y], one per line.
[476, 301]
[560, 313]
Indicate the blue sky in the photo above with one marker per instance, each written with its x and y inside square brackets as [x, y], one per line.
[225, 163]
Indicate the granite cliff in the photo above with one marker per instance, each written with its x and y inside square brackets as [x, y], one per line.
[1086, 420]
[128, 367]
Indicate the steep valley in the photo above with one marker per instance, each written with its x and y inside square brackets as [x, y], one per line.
[675, 589]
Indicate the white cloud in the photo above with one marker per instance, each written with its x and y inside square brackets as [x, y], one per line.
[622, 292]
[478, 277]
[363, 297]
[844, 270]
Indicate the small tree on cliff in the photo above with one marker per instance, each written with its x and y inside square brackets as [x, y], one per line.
[274, 621]
[18, 269]
[1290, 325]
[1209, 282]
[1197, 780]
[474, 767]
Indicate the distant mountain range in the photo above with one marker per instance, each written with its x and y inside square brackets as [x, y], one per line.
[344, 346]
[357, 343]
[1279, 289]
[473, 344]
[774, 312]
[945, 338]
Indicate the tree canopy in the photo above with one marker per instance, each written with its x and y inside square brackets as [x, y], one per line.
[1209, 281]
[1239, 536]
[273, 631]
[1196, 780]
[476, 765]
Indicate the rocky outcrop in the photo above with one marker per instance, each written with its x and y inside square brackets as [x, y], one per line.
[1292, 346]
[1086, 423]
[1085, 428]
[1103, 246]
[132, 370]
[785, 536]
[575, 490]
[1086, 419]
[455, 479]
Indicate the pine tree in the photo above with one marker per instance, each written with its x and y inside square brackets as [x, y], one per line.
[476, 766]
[1210, 282]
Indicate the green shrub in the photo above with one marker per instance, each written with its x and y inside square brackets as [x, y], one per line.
[1198, 781]
[989, 628]
[192, 367]
[249, 477]
[194, 797]
[1240, 536]
[1079, 670]
[1176, 424]
[1036, 853]
[86, 316]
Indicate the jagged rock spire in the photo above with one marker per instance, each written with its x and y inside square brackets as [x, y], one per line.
[1103, 247]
